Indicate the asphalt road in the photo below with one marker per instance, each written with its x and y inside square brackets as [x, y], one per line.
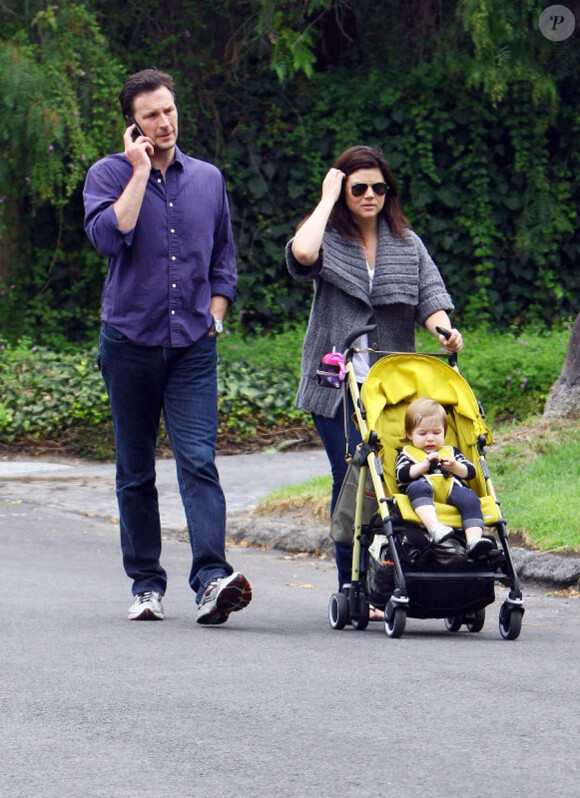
[274, 703]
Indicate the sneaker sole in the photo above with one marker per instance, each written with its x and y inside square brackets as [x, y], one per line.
[146, 615]
[232, 598]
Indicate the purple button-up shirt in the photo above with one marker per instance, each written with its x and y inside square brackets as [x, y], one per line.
[163, 273]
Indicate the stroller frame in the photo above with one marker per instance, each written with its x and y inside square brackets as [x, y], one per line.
[351, 604]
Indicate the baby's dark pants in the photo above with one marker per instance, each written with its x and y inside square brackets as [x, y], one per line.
[420, 492]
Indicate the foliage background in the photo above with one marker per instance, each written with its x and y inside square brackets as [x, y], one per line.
[477, 112]
[58, 400]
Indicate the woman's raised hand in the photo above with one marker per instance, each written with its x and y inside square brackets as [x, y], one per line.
[332, 185]
[308, 237]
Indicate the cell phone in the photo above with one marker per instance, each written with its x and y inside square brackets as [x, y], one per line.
[137, 130]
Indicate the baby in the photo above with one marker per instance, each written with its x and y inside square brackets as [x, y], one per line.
[427, 470]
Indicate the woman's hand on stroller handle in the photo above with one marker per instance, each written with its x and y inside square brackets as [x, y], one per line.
[452, 340]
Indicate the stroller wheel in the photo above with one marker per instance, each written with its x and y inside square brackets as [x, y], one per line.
[510, 621]
[395, 620]
[361, 621]
[453, 623]
[475, 620]
[338, 611]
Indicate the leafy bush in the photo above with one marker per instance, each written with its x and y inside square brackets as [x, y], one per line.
[44, 392]
[46, 395]
[511, 373]
[257, 380]
[49, 396]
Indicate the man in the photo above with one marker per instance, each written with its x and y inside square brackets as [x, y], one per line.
[162, 219]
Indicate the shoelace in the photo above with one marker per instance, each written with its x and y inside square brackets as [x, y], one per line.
[148, 595]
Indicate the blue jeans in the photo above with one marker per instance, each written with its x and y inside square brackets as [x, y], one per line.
[141, 382]
[331, 432]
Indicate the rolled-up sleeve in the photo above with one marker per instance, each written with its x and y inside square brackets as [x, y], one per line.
[297, 269]
[102, 189]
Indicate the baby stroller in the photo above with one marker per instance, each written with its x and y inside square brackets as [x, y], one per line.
[395, 567]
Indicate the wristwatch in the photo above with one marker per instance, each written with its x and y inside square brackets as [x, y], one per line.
[218, 326]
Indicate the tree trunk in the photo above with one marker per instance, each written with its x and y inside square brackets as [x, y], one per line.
[564, 398]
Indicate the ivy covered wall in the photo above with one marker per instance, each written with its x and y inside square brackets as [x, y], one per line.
[477, 112]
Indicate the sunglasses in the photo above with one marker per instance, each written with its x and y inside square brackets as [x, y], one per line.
[358, 189]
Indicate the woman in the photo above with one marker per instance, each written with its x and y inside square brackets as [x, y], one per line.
[368, 267]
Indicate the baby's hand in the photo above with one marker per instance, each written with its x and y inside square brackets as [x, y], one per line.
[431, 461]
[449, 464]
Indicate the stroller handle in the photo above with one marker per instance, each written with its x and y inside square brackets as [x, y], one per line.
[452, 357]
[447, 334]
[356, 334]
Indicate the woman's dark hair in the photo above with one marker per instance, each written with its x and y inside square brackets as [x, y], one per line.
[363, 157]
[146, 80]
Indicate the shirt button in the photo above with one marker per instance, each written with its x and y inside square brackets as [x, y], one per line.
[173, 257]
[173, 313]
[159, 180]
[173, 285]
[171, 205]
[172, 231]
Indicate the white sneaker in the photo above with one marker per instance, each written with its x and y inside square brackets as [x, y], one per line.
[440, 532]
[146, 607]
[222, 596]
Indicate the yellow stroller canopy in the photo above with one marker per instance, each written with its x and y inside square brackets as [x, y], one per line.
[392, 383]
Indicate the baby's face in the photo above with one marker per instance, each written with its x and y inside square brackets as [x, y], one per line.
[428, 435]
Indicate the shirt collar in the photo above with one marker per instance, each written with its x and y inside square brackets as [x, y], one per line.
[179, 157]
[178, 160]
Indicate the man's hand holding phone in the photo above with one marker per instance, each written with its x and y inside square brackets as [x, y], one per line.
[138, 146]
[136, 132]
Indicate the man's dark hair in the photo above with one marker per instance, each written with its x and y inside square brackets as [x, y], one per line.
[146, 80]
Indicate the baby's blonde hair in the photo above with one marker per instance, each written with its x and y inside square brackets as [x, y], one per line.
[424, 408]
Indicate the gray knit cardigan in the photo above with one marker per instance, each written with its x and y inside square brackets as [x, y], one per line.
[407, 289]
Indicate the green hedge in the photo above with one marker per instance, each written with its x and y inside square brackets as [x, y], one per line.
[47, 396]
[511, 373]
